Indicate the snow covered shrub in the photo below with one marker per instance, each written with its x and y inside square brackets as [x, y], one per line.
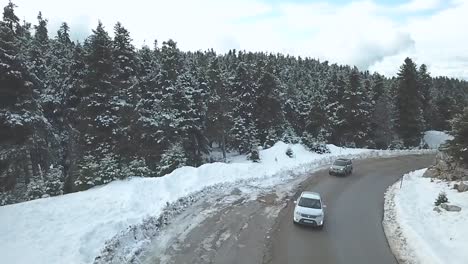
[171, 159]
[54, 182]
[93, 172]
[88, 169]
[320, 148]
[423, 145]
[271, 139]
[36, 189]
[290, 137]
[109, 169]
[254, 155]
[289, 152]
[137, 167]
[442, 198]
[316, 145]
[5, 198]
[396, 144]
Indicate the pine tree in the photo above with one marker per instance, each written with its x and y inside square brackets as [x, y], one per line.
[39, 53]
[124, 58]
[57, 76]
[54, 182]
[267, 109]
[76, 87]
[218, 105]
[458, 147]
[125, 97]
[88, 171]
[425, 87]
[173, 158]
[9, 17]
[97, 118]
[409, 117]
[254, 155]
[289, 136]
[382, 118]
[147, 125]
[170, 69]
[335, 110]
[22, 125]
[289, 152]
[356, 110]
[190, 111]
[442, 198]
[63, 35]
[36, 188]
[244, 133]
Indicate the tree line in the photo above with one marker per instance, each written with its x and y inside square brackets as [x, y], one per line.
[75, 115]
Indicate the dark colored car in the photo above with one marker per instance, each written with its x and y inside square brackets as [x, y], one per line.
[341, 167]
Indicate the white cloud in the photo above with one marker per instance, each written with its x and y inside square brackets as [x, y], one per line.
[419, 5]
[439, 42]
[360, 32]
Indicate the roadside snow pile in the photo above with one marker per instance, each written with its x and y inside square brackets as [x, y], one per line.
[74, 228]
[417, 233]
[435, 138]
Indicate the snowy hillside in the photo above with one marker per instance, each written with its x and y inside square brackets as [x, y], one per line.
[416, 232]
[73, 228]
[435, 138]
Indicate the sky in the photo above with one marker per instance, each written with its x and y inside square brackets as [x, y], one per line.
[374, 35]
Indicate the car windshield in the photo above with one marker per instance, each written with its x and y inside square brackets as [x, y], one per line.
[340, 163]
[310, 203]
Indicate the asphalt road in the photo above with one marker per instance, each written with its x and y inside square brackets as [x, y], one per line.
[261, 230]
[353, 231]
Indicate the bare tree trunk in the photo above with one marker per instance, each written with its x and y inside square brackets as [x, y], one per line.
[223, 145]
[29, 167]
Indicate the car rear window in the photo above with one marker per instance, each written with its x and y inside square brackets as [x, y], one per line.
[310, 203]
[340, 163]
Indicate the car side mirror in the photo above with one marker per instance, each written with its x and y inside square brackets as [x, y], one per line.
[324, 206]
[295, 202]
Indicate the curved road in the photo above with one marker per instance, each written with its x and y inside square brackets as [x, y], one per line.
[353, 230]
[261, 230]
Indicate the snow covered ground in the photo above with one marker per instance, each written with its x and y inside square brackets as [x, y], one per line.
[435, 138]
[74, 228]
[416, 233]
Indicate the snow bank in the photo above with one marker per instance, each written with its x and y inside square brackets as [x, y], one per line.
[416, 233]
[73, 228]
[435, 138]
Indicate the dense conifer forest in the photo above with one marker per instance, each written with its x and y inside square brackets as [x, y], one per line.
[74, 115]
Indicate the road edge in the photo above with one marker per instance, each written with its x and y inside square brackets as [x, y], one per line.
[392, 230]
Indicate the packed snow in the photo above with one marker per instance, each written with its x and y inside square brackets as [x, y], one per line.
[435, 138]
[416, 233]
[74, 228]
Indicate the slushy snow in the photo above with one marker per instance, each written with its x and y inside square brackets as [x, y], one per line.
[416, 233]
[73, 228]
[435, 138]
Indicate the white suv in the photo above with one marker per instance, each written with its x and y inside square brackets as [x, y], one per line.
[309, 210]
